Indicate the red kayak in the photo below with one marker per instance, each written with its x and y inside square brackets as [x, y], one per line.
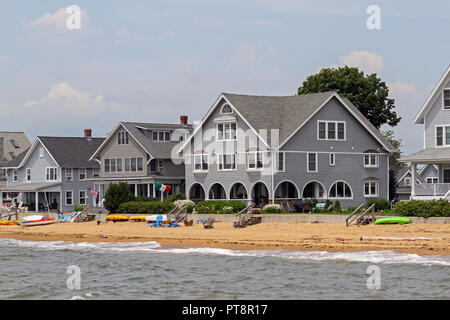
[38, 222]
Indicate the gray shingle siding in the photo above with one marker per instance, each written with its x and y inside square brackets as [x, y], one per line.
[435, 116]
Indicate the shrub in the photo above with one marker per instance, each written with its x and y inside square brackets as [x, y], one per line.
[217, 207]
[116, 195]
[79, 208]
[190, 205]
[328, 203]
[272, 208]
[146, 199]
[425, 209]
[380, 204]
[175, 197]
[256, 211]
[157, 207]
[337, 207]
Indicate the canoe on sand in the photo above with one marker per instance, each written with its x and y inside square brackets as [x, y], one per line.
[393, 220]
[138, 218]
[116, 217]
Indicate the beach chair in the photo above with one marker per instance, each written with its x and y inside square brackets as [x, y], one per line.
[189, 223]
[209, 223]
[174, 224]
[158, 222]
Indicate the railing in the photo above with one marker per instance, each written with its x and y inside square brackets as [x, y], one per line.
[353, 216]
[432, 189]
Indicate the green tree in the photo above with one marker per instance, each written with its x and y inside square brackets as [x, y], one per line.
[368, 93]
[397, 153]
[116, 195]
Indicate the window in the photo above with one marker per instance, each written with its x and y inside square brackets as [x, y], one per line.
[255, 160]
[312, 162]
[332, 159]
[122, 137]
[69, 198]
[432, 180]
[226, 131]
[28, 171]
[41, 152]
[331, 130]
[107, 165]
[127, 164]
[82, 197]
[280, 162]
[68, 175]
[140, 164]
[340, 190]
[407, 182]
[227, 162]
[119, 165]
[14, 143]
[226, 109]
[131, 164]
[161, 136]
[51, 174]
[81, 174]
[442, 136]
[446, 99]
[371, 189]
[201, 162]
[371, 160]
[96, 173]
[15, 176]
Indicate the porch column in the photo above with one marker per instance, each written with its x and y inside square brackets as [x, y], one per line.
[135, 189]
[154, 191]
[60, 200]
[148, 189]
[37, 201]
[413, 179]
[1, 199]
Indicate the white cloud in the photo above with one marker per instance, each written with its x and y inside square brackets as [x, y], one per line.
[367, 61]
[398, 88]
[58, 20]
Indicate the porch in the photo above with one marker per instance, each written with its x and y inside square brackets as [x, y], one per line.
[36, 196]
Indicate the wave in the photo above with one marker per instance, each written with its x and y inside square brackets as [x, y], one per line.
[377, 257]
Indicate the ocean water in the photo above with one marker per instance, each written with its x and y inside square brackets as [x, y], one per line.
[45, 270]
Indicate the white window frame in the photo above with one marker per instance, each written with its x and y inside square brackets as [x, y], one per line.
[336, 130]
[200, 156]
[122, 137]
[80, 170]
[340, 198]
[220, 160]
[432, 180]
[226, 129]
[444, 142]
[164, 132]
[223, 106]
[370, 194]
[444, 107]
[80, 197]
[96, 173]
[316, 162]
[332, 159]
[370, 155]
[28, 175]
[277, 162]
[15, 175]
[41, 152]
[48, 175]
[405, 180]
[66, 176]
[159, 165]
[66, 197]
[254, 155]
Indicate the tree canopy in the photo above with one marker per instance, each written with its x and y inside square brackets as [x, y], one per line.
[367, 92]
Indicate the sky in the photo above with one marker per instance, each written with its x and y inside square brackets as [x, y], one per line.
[152, 61]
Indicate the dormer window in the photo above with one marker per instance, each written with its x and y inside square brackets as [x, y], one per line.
[446, 99]
[122, 137]
[226, 109]
[226, 131]
[161, 136]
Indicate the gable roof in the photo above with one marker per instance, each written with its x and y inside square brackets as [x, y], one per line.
[285, 113]
[21, 141]
[138, 131]
[419, 119]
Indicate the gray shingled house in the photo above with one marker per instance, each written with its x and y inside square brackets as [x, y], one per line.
[11, 145]
[53, 172]
[265, 148]
[435, 118]
[140, 154]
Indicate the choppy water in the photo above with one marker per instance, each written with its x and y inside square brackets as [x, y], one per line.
[38, 270]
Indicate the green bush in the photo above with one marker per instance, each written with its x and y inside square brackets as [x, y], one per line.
[156, 207]
[380, 204]
[337, 207]
[420, 208]
[272, 208]
[175, 197]
[217, 207]
[79, 208]
[146, 199]
[116, 195]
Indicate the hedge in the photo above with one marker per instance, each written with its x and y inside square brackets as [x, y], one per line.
[219, 207]
[146, 207]
[420, 208]
[380, 204]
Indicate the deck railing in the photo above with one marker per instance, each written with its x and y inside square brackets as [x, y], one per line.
[432, 189]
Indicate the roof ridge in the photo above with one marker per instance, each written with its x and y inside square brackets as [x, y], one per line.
[273, 96]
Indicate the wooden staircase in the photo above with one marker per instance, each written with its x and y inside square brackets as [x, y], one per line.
[244, 218]
[361, 216]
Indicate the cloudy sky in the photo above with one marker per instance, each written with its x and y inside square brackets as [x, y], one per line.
[155, 60]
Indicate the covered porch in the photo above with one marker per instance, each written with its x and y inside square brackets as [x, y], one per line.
[435, 189]
[36, 196]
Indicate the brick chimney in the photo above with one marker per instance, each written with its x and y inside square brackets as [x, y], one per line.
[88, 133]
[184, 120]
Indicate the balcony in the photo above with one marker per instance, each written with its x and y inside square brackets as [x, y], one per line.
[432, 191]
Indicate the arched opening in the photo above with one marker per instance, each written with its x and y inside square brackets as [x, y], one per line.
[196, 192]
[238, 192]
[286, 189]
[217, 192]
[314, 190]
[340, 189]
[260, 194]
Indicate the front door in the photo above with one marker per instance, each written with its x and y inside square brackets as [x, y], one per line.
[446, 175]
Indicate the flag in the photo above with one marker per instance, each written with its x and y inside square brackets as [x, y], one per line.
[93, 192]
[163, 188]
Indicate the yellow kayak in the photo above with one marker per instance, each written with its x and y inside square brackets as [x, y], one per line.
[138, 218]
[116, 217]
[10, 222]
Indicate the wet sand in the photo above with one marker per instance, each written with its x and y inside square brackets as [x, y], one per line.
[332, 237]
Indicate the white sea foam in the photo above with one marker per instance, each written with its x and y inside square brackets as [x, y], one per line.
[382, 257]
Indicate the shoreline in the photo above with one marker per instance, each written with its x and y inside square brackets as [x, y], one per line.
[330, 237]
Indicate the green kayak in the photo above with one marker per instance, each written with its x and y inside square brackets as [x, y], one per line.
[392, 220]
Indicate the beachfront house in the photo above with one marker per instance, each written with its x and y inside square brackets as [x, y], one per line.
[435, 118]
[281, 149]
[11, 145]
[426, 175]
[140, 154]
[52, 174]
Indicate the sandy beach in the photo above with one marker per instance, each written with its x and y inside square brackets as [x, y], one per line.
[330, 237]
